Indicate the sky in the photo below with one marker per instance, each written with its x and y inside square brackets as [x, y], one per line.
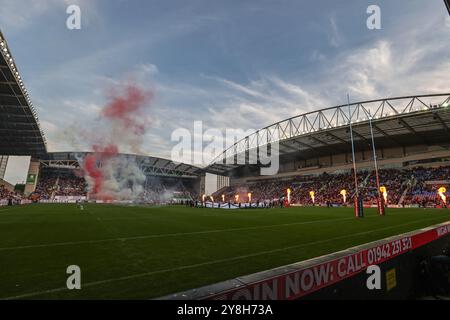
[231, 64]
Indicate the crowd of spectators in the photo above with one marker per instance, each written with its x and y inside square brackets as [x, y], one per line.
[7, 195]
[45, 186]
[53, 183]
[418, 186]
[404, 187]
[59, 183]
[160, 190]
[71, 186]
[426, 184]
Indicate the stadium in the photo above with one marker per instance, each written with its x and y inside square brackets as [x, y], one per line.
[351, 178]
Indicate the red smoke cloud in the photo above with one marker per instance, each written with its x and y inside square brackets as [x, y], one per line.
[123, 111]
[126, 108]
[91, 168]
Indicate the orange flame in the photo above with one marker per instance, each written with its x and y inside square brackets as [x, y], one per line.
[311, 194]
[344, 194]
[288, 192]
[383, 190]
[441, 192]
[236, 198]
[249, 197]
[223, 198]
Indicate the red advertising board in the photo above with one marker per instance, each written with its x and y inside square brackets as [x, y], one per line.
[298, 283]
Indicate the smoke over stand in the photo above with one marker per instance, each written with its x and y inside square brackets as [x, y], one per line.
[111, 176]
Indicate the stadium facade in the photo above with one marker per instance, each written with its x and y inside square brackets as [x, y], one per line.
[407, 131]
[19, 124]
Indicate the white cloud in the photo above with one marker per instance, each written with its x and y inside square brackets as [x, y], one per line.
[19, 15]
[16, 15]
[149, 68]
[335, 36]
[412, 61]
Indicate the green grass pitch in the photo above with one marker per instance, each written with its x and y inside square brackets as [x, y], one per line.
[132, 252]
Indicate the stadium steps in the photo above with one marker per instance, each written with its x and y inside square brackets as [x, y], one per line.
[400, 201]
[54, 188]
[364, 183]
[220, 191]
[410, 184]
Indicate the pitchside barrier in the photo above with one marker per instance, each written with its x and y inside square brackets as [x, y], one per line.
[340, 275]
[4, 202]
[226, 205]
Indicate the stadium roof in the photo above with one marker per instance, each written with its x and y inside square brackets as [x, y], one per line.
[399, 121]
[150, 165]
[19, 124]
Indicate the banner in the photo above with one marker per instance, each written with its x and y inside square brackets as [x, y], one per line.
[226, 205]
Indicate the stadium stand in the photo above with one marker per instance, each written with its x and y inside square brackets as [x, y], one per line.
[21, 134]
[412, 186]
[315, 154]
[410, 133]
[61, 184]
[6, 196]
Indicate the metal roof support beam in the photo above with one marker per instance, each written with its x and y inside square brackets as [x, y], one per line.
[337, 138]
[314, 149]
[286, 145]
[407, 126]
[386, 135]
[6, 95]
[356, 133]
[438, 117]
[330, 145]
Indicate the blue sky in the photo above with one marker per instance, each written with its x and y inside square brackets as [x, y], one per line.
[231, 64]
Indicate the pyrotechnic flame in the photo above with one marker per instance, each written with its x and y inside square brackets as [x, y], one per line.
[203, 197]
[383, 190]
[288, 192]
[212, 198]
[441, 192]
[344, 194]
[311, 193]
[249, 197]
[223, 198]
[236, 198]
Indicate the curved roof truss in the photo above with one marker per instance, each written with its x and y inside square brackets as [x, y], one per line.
[313, 130]
[151, 166]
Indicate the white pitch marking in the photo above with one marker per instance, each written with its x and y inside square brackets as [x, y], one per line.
[139, 275]
[68, 243]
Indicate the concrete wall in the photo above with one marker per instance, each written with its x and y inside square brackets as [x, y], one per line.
[387, 158]
[222, 181]
[8, 186]
[3, 164]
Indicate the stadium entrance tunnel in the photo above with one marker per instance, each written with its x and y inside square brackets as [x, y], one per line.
[408, 266]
